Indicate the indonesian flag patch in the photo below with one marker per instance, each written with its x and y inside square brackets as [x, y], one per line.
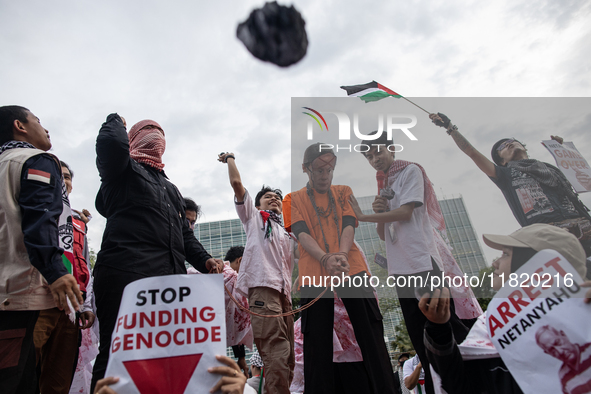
[39, 176]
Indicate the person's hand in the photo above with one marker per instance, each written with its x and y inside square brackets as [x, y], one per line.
[223, 157]
[587, 299]
[380, 204]
[440, 120]
[214, 266]
[102, 386]
[243, 366]
[63, 287]
[558, 139]
[436, 309]
[232, 381]
[84, 215]
[337, 264]
[355, 206]
[86, 320]
[419, 366]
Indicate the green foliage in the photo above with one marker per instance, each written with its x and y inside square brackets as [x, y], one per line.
[401, 342]
[484, 292]
[92, 255]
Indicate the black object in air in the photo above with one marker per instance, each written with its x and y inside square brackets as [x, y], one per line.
[275, 33]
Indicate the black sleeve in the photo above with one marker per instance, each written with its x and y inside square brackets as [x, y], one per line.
[112, 148]
[195, 253]
[445, 357]
[40, 201]
[239, 351]
[349, 221]
[300, 227]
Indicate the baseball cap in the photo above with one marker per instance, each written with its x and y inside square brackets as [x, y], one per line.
[542, 236]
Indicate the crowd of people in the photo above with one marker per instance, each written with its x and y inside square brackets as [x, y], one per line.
[51, 301]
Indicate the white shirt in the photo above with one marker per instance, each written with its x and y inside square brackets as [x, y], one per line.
[410, 244]
[408, 369]
[266, 262]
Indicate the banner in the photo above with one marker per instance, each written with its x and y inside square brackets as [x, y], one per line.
[168, 332]
[572, 164]
[540, 326]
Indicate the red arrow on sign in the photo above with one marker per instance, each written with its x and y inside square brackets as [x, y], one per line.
[166, 375]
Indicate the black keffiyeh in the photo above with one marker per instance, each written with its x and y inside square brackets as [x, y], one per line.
[15, 144]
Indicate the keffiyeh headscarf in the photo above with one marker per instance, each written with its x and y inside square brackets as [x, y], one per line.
[146, 145]
[256, 360]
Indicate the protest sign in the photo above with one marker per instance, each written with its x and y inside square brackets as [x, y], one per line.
[540, 326]
[168, 332]
[572, 164]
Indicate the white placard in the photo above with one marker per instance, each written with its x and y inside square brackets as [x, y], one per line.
[522, 311]
[168, 332]
[572, 164]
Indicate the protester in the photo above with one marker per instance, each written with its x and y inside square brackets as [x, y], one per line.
[399, 386]
[489, 374]
[192, 212]
[147, 233]
[414, 375]
[265, 276]
[536, 192]
[323, 222]
[238, 326]
[56, 337]
[256, 368]
[411, 224]
[232, 381]
[33, 276]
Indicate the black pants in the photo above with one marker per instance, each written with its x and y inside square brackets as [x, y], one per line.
[18, 374]
[109, 284]
[374, 375]
[415, 320]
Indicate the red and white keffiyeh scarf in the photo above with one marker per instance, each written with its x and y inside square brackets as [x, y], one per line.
[147, 144]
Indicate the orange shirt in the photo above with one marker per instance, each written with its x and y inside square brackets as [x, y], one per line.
[301, 210]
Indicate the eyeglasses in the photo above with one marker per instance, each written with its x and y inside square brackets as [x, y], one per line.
[506, 144]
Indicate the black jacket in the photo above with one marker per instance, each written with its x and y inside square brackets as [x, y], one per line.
[147, 231]
[485, 376]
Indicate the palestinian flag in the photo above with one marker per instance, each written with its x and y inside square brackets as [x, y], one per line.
[371, 91]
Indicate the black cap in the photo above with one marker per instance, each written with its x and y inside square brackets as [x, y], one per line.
[314, 151]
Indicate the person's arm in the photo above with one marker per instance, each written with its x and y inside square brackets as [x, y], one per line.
[411, 380]
[40, 201]
[401, 214]
[481, 161]
[196, 254]
[112, 148]
[234, 174]
[240, 354]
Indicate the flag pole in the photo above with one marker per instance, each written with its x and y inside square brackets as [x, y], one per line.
[418, 106]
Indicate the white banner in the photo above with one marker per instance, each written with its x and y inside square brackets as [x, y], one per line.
[168, 332]
[540, 325]
[572, 164]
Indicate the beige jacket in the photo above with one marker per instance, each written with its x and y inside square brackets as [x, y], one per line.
[22, 287]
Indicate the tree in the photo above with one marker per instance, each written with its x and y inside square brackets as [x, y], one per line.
[92, 255]
[401, 342]
[484, 292]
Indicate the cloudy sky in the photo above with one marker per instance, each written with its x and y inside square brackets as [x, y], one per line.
[179, 63]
